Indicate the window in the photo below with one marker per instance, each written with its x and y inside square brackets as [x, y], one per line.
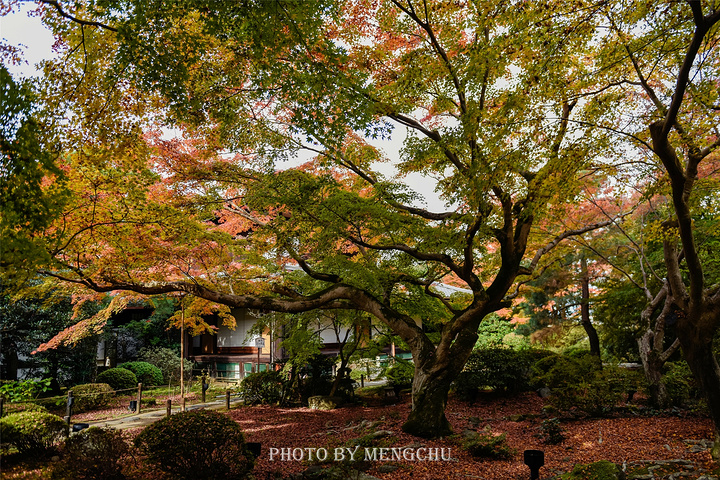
[228, 370]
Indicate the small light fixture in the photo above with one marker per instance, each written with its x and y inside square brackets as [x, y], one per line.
[254, 448]
[534, 459]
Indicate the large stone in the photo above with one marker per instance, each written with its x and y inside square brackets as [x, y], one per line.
[324, 402]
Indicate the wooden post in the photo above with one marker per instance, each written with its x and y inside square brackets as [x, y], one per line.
[182, 346]
[227, 399]
[202, 388]
[68, 408]
[168, 405]
[139, 398]
[184, 404]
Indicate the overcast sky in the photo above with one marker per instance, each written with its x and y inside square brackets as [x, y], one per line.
[20, 30]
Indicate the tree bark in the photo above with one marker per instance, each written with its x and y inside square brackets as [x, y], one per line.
[435, 370]
[698, 352]
[429, 397]
[585, 310]
[653, 354]
[653, 370]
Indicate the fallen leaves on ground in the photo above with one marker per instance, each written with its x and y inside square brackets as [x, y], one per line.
[615, 439]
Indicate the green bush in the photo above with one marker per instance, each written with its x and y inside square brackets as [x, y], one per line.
[199, 444]
[19, 390]
[551, 432]
[579, 382]
[11, 408]
[118, 378]
[501, 369]
[91, 396]
[400, 375]
[35, 432]
[93, 454]
[489, 446]
[167, 360]
[317, 376]
[680, 383]
[149, 375]
[263, 388]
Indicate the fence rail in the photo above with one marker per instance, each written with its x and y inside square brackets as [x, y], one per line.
[135, 396]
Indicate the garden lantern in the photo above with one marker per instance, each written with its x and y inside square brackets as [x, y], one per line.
[534, 459]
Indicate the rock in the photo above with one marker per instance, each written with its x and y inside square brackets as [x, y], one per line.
[381, 434]
[518, 417]
[55, 458]
[368, 439]
[324, 402]
[474, 421]
[469, 433]
[339, 473]
[544, 392]
[314, 472]
[387, 468]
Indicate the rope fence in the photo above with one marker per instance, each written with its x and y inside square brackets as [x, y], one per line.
[136, 400]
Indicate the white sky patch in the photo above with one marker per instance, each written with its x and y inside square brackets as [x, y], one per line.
[27, 32]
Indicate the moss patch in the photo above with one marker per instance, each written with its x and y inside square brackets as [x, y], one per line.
[602, 470]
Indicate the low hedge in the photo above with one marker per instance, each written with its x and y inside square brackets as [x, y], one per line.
[198, 445]
[91, 396]
[148, 374]
[32, 432]
[118, 378]
[11, 408]
[92, 454]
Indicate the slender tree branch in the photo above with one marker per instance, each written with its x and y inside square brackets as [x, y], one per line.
[72, 18]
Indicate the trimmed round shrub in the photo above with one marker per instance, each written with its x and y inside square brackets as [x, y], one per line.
[91, 396]
[11, 408]
[148, 374]
[35, 432]
[199, 444]
[118, 378]
[93, 454]
[262, 388]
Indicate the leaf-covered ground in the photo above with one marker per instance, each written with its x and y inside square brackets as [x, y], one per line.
[616, 439]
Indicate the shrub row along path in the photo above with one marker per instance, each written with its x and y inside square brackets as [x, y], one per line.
[145, 418]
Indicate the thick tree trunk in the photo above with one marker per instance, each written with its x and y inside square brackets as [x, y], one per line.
[429, 397]
[434, 373]
[585, 310]
[697, 349]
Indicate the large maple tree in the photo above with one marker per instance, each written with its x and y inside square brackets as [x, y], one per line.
[493, 97]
